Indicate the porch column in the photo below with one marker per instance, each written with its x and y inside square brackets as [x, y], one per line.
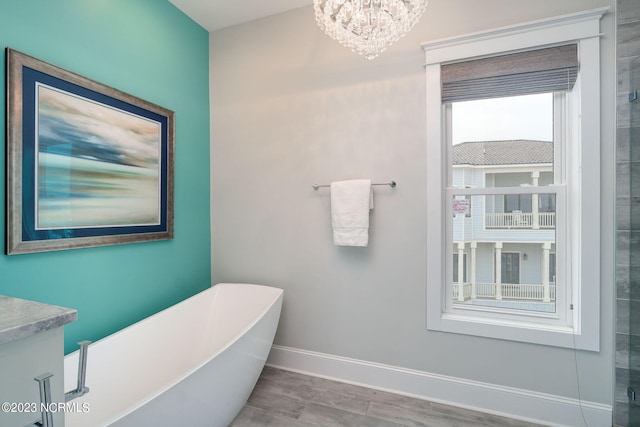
[546, 296]
[474, 246]
[460, 271]
[498, 270]
[534, 202]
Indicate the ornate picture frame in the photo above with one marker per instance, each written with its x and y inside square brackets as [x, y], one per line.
[87, 164]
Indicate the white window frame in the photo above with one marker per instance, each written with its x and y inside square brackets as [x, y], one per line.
[581, 254]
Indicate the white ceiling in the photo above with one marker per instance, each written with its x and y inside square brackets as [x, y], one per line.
[216, 14]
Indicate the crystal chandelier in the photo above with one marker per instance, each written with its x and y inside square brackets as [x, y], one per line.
[368, 26]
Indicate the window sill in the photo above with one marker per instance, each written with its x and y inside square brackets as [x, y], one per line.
[511, 330]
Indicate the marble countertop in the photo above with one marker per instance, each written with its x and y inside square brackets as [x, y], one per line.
[20, 318]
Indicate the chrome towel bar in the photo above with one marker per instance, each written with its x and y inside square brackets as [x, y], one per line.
[391, 184]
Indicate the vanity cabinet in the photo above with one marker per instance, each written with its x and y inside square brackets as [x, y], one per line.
[31, 344]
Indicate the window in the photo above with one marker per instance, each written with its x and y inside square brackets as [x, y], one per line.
[546, 203]
[456, 267]
[517, 203]
[510, 268]
[507, 144]
[532, 274]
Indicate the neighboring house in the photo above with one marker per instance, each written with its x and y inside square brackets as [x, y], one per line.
[506, 241]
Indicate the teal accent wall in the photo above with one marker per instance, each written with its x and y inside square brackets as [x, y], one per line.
[150, 49]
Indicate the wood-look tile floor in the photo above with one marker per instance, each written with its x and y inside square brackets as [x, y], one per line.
[288, 399]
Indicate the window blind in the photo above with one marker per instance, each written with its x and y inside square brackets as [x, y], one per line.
[523, 73]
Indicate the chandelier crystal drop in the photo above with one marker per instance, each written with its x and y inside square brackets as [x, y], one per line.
[368, 26]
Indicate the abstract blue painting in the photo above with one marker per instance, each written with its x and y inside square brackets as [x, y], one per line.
[97, 165]
[87, 164]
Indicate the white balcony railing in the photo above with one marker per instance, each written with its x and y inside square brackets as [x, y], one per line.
[520, 220]
[508, 291]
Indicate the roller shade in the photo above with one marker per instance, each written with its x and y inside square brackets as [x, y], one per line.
[523, 73]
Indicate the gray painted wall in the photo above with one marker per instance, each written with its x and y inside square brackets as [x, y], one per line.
[290, 108]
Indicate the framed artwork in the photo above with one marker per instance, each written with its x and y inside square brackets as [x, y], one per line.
[87, 164]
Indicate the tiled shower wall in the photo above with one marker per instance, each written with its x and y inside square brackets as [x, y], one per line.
[627, 411]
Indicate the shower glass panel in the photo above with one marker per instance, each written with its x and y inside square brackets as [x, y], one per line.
[634, 279]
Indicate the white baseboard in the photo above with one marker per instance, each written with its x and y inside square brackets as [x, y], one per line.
[511, 402]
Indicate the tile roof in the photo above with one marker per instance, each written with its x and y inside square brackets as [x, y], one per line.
[510, 152]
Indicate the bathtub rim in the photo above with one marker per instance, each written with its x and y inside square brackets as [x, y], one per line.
[277, 300]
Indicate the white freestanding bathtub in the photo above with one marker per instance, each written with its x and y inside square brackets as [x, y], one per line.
[193, 364]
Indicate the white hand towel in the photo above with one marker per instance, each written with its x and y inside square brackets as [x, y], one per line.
[350, 205]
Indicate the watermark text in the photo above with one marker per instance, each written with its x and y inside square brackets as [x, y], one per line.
[54, 407]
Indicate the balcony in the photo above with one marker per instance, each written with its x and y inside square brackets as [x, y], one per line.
[504, 291]
[520, 220]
